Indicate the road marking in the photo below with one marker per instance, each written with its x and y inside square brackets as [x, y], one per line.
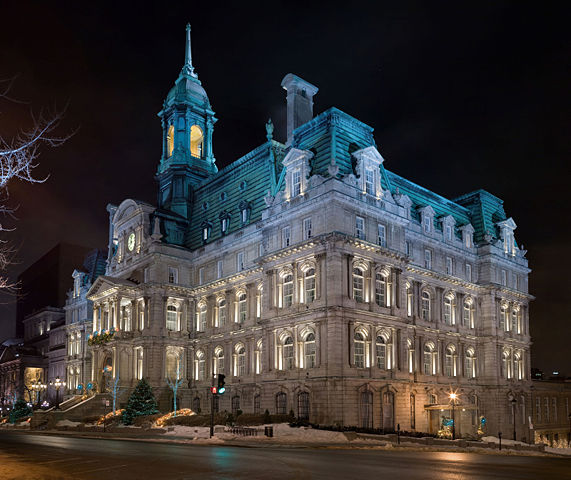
[111, 467]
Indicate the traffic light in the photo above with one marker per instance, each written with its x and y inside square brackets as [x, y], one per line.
[213, 390]
[221, 383]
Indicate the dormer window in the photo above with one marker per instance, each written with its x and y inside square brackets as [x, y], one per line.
[196, 141]
[426, 224]
[170, 141]
[245, 211]
[224, 222]
[206, 229]
[296, 163]
[467, 235]
[367, 169]
[295, 183]
[369, 181]
[427, 219]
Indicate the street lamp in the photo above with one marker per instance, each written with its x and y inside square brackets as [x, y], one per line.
[514, 401]
[38, 386]
[57, 384]
[453, 398]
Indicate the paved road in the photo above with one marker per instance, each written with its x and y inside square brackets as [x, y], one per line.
[30, 456]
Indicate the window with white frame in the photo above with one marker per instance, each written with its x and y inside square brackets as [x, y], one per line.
[515, 318]
[370, 181]
[360, 228]
[381, 352]
[172, 318]
[288, 353]
[503, 324]
[200, 365]
[202, 316]
[448, 233]
[468, 313]
[307, 228]
[449, 318]
[240, 370]
[309, 350]
[295, 182]
[506, 364]
[309, 280]
[428, 259]
[470, 363]
[242, 308]
[258, 357]
[286, 237]
[245, 211]
[259, 300]
[287, 282]
[408, 299]
[381, 289]
[358, 284]
[219, 360]
[429, 365]
[425, 307]
[427, 223]
[221, 313]
[382, 233]
[359, 350]
[139, 363]
[450, 361]
[240, 261]
[449, 270]
[410, 356]
[173, 275]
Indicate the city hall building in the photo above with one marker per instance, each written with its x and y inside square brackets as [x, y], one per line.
[316, 279]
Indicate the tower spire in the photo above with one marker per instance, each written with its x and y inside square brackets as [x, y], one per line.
[188, 69]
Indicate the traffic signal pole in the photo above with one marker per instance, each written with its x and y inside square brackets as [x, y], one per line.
[212, 407]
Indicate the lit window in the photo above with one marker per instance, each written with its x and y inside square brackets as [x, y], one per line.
[307, 228]
[202, 314]
[309, 351]
[468, 313]
[380, 290]
[408, 300]
[381, 353]
[382, 235]
[428, 357]
[370, 181]
[241, 361]
[450, 362]
[504, 317]
[288, 290]
[288, 353]
[309, 278]
[172, 318]
[360, 228]
[170, 140]
[425, 306]
[449, 311]
[359, 348]
[219, 361]
[139, 363]
[242, 308]
[470, 364]
[200, 366]
[196, 141]
[221, 313]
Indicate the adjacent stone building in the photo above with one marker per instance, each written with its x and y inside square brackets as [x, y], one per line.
[315, 279]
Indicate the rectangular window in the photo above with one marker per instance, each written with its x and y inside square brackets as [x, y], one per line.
[449, 233]
[173, 275]
[295, 183]
[382, 235]
[261, 249]
[426, 222]
[408, 248]
[427, 259]
[546, 400]
[449, 266]
[516, 282]
[537, 409]
[139, 363]
[307, 229]
[146, 274]
[554, 403]
[240, 261]
[370, 181]
[360, 228]
[504, 278]
[286, 237]
[468, 272]
[220, 269]
[201, 275]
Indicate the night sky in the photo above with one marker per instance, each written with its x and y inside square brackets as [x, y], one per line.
[462, 95]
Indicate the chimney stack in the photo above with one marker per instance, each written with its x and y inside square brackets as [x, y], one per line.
[299, 103]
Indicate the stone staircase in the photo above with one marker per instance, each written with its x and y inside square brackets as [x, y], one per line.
[75, 409]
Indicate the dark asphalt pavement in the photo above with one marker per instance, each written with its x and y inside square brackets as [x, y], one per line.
[58, 457]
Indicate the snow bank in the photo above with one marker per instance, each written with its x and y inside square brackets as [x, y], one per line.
[505, 442]
[183, 431]
[558, 451]
[67, 423]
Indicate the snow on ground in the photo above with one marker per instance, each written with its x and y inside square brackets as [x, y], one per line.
[505, 441]
[67, 423]
[558, 451]
[194, 432]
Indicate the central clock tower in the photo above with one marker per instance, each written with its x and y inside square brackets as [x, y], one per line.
[187, 121]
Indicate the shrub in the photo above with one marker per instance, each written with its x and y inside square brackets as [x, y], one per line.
[267, 417]
[146, 421]
[247, 419]
[20, 411]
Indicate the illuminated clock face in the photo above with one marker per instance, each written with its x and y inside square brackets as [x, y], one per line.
[131, 242]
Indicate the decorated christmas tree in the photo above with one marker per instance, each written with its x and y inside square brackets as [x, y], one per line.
[141, 402]
[20, 410]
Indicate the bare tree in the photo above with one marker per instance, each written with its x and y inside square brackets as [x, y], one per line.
[18, 159]
[174, 384]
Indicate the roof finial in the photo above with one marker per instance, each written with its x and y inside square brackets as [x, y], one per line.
[188, 69]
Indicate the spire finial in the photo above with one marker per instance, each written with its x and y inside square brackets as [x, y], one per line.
[188, 69]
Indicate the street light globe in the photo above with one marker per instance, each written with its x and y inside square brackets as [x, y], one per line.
[453, 396]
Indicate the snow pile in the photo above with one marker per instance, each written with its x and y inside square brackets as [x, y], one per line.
[505, 442]
[67, 423]
[307, 434]
[558, 451]
[183, 431]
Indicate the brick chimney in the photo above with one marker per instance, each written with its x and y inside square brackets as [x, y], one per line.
[299, 102]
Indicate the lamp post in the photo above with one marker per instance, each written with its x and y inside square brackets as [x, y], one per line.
[57, 384]
[453, 398]
[514, 401]
[38, 386]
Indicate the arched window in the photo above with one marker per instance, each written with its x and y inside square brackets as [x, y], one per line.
[366, 409]
[258, 357]
[506, 364]
[448, 310]
[468, 313]
[408, 299]
[170, 140]
[288, 290]
[200, 366]
[257, 404]
[504, 317]
[242, 308]
[174, 363]
[309, 277]
[470, 363]
[240, 369]
[288, 353]
[518, 360]
[172, 318]
[359, 348]
[358, 284]
[281, 403]
[235, 405]
[428, 359]
[309, 350]
[196, 141]
[381, 352]
[218, 360]
[450, 361]
[202, 315]
[514, 320]
[139, 363]
[381, 289]
[221, 312]
[303, 406]
[259, 300]
[425, 306]
[410, 350]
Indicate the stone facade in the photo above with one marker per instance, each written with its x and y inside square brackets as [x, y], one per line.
[314, 279]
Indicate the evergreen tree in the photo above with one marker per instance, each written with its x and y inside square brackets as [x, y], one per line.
[141, 402]
[20, 410]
